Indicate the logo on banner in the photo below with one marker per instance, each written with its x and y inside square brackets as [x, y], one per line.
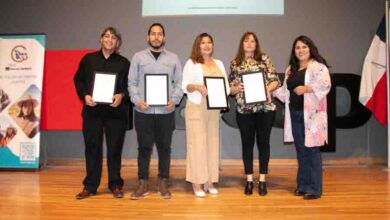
[19, 54]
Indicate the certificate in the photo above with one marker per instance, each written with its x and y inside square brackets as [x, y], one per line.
[254, 87]
[156, 89]
[216, 92]
[104, 87]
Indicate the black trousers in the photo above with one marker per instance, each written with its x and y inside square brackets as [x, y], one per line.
[257, 125]
[93, 130]
[154, 129]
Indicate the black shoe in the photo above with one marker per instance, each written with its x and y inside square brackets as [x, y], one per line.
[248, 188]
[310, 197]
[262, 188]
[299, 193]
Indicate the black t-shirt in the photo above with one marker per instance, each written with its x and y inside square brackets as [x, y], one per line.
[156, 54]
[296, 79]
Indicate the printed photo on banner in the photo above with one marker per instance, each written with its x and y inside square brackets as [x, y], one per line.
[4, 99]
[7, 131]
[25, 111]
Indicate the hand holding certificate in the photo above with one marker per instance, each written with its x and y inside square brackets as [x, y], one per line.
[254, 87]
[216, 92]
[156, 89]
[104, 87]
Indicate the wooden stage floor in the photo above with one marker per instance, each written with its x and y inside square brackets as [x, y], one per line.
[350, 192]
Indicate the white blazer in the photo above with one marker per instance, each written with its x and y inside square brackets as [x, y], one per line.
[193, 74]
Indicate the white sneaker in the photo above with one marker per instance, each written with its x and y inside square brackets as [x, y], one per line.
[198, 190]
[209, 187]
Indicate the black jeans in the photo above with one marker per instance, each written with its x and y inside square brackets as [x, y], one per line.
[158, 129]
[93, 130]
[309, 176]
[257, 124]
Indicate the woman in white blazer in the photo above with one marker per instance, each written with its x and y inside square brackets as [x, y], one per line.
[202, 124]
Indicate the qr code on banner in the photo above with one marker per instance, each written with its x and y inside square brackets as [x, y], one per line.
[27, 151]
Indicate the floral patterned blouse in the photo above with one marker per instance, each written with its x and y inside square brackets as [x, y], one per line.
[265, 66]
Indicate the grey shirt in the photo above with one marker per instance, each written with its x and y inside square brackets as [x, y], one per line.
[143, 63]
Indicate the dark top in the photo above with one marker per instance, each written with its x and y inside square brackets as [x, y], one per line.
[83, 80]
[156, 54]
[296, 79]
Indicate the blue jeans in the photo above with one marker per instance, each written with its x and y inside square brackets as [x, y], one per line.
[309, 177]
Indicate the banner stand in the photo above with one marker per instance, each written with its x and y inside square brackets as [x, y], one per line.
[21, 78]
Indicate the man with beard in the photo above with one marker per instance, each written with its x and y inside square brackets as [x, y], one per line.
[154, 125]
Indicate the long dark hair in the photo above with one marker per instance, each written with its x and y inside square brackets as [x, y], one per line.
[31, 116]
[13, 132]
[240, 56]
[314, 54]
[196, 55]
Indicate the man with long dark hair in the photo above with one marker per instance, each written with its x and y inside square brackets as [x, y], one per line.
[109, 119]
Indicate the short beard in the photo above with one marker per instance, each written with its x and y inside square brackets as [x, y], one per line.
[157, 47]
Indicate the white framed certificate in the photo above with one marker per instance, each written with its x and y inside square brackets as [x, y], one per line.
[216, 92]
[254, 87]
[104, 87]
[156, 89]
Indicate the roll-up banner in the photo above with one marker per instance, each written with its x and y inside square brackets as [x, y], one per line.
[21, 76]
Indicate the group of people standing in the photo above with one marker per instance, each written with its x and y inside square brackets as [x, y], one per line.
[304, 92]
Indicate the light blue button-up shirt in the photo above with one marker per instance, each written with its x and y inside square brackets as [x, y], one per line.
[143, 63]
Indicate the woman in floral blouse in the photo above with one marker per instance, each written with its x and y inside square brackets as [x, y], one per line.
[254, 120]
